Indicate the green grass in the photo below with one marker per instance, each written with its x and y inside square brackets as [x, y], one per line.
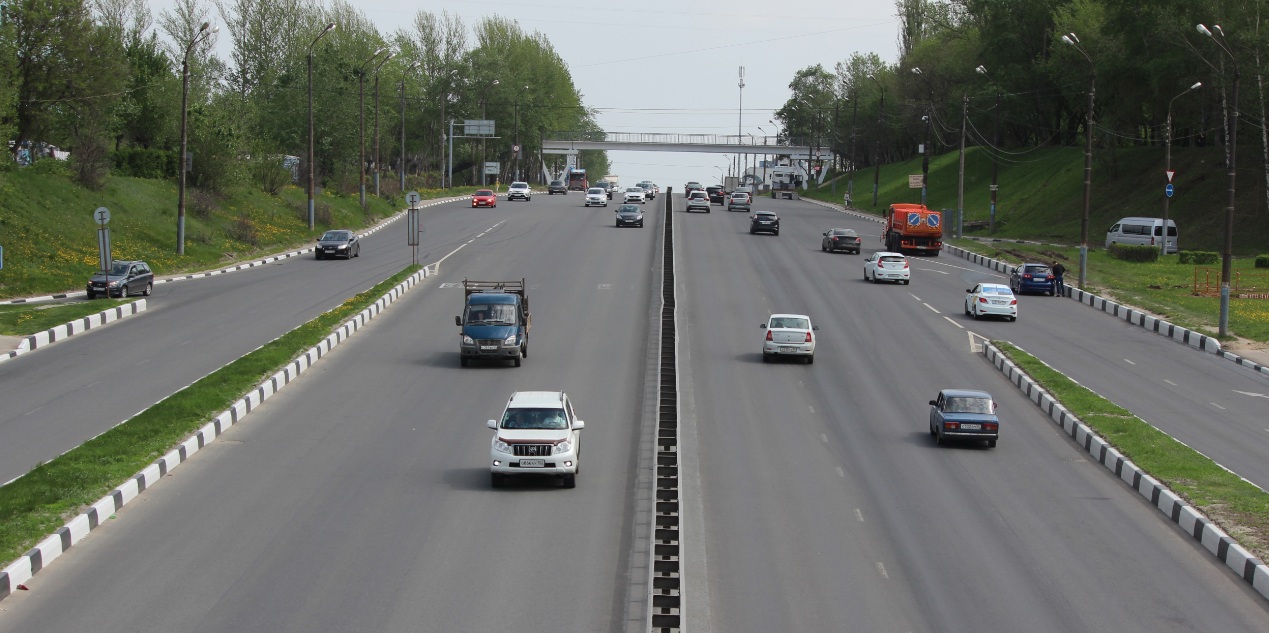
[1237, 506]
[25, 319]
[40, 502]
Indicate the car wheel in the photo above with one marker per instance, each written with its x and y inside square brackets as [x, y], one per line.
[640, 223]
[149, 288]
[317, 255]
[1012, 319]
[462, 361]
[823, 248]
[123, 291]
[516, 361]
[570, 481]
[775, 233]
[865, 274]
[933, 432]
[524, 351]
[939, 439]
[496, 480]
[810, 360]
[967, 308]
[359, 250]
[991, 443]
[618, 225]
[766, 358]
[975, 314]
[91, 295]
[907, 281]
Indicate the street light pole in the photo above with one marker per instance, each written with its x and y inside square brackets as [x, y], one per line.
[377, 67]
[517, 149]
[850, 183]
[361, 124]
[201, 35]
[876, 174]
[1070, 38]
[740, 117]
[1167, 167]
[925, 148]
[401, 169]
[1231, 115]
[995, 149]
[329, 27]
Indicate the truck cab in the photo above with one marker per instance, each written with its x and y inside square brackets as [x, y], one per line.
[495, 322]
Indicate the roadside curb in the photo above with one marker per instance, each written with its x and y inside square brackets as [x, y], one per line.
[78, 326]
[78, 528]
[1188, 518]
[1132, 315]
[244, 265]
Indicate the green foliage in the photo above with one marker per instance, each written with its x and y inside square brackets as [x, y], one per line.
[1198, 258]
[1262, 261]
[49, 166]
[1133, 252]
[138, 162]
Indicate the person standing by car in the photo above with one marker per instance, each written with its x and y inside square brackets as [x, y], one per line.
[1058, 272]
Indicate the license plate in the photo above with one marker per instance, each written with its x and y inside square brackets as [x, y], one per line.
[967, 427]
[997, 303]
[788, 350]
[488, 348]
[532, 463]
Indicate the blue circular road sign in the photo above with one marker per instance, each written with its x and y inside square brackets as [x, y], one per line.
[1168, 190]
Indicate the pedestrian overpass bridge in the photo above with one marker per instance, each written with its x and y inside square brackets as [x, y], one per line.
[570, 143]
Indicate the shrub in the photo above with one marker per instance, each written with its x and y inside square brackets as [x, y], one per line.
[1134, 252]
[323, 215]
[1262, 261]
[244, 230]
[1198, 257]
[202, 203]
[138, 162]
[50, 166]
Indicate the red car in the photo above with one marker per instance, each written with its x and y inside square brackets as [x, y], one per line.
[484, 198]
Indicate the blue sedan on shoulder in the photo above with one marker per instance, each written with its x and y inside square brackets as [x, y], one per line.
[964, 414]
[1033, 278]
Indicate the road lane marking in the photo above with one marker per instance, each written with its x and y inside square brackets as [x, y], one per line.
[605, 286]
[1217, 406]
[823, 438]
[811, 408]
[932, 309]
[914, 296]
[882, 569]
[931, 270]
[1169, 382]
[860, 515]
[949, 320]
[973, 347]
[1252, 394]
[841, 473]
[1129, 362]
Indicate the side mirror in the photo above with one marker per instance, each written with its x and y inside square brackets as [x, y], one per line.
[763, 326]
[493, 424]
[458, 321]
[933, 403]
[994, 405]
[815, 327]
[578, 425]
[825, 233]
[969, 290]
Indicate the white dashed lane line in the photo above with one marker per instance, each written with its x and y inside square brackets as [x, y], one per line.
[949, 320]
[933, 309]
[1217, 406]
[1128, 361]
[860, 515]
[1169, 382]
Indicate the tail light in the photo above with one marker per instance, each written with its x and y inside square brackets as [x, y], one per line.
[1014, 302]
[808, 337]
[990, 426]
[983, 299]
[905, 264]
[769, 335]
[834, 238]
[1027, 276]
[951, 425]
[857, 240]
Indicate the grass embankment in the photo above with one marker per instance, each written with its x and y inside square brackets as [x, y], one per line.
[50, 238]
[25, 319]
[40, 502]
[1238, 507]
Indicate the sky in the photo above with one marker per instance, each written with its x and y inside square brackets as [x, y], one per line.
[663, 66]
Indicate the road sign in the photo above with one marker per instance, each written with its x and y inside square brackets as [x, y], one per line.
[412, 199]
[1170, 173]
[515, 148]
[478, 127]
[1168, 190]
[103, 249]
[492, 168]
[915, 181]
[101, 215]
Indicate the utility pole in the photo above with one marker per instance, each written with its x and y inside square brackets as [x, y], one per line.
[881, 108]
[377, 170]
[960, 183]
[995, 149]
[740, 117]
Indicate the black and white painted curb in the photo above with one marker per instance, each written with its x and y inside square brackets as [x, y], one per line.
[1170, 504]
[244, 265]
[78, 326]
[75, 530]
[1132, 315]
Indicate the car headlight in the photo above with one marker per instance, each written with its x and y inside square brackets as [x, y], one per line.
[510, 340]
[342, 246]
[113, 284]
[467, 340]
[501, 446]
[562, 447]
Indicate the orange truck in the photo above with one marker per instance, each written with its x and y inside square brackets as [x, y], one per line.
[913, 227]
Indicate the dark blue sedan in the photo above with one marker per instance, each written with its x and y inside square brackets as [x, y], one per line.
[1033, 278]
[964, 414]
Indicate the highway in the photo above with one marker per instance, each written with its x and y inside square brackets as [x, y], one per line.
[358, 498]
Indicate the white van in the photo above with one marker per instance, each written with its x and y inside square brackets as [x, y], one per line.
[1146, 231]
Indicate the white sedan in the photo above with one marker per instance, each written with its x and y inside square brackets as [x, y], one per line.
[789, 335]
[991, 300]
[889, 266]
[635, 194]
[597, 195]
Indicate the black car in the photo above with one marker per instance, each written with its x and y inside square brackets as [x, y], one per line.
[337, 243]
[125, 278]
[556, 186]
[764, 222]
[840, 240]
[716, 194]
[629, 214]
[692, 186]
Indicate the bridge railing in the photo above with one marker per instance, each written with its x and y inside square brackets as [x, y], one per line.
[677, 139]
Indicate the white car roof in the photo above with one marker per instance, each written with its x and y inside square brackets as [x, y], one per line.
[783, 315]
[998, 287]
[535, 399]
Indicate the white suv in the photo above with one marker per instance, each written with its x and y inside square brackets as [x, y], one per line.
[539, 434]
[519, 190]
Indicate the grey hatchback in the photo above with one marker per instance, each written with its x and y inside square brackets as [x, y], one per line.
[123, 279]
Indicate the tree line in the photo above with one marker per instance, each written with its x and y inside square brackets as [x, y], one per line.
[103, 80]
[1019, 74]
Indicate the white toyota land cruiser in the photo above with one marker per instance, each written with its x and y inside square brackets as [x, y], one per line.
[538, 435]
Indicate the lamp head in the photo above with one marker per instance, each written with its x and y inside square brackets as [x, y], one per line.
[1074, 39]
[329, 27]
[1203, 29]
[1217, 28]
[982, 70]
[916, 70]
[1068, 40]
[1197, 85]
[204, 27]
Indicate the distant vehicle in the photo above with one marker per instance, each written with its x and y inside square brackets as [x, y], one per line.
[337, 243]
[606, 186]
[789, 335]
[635, 194]
[556, 186]
[1033, 278]
[989, 299]
[613, 182]
[538, 435]
[519, 191]
[650, 189]
[629, 214]
[964, 414]
[484, 198]
[716, 194]
[883, 265]
[577, 180]
[692, 186]
[124, 278]
[840, 240]
[764, 222]
[495, 321]
[1148, 231]
[731, 183]
[739, 201]
[913, 227]
[597, 196]
[697, 200]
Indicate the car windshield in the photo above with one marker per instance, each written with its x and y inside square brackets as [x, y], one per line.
[484, 192]
[1036, 270]
[628, 208]
[519, 185]
[763, 215]
[841, 232]
[790, 323]
[634, 190]
[549, 419]
[997, 290]
[892, 260]
[595, 190]
[967, 404]
[334, 236]
[120, 268]
[491, 314]
[557, 183]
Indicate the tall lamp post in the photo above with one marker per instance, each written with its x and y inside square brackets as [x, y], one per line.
[925, 148]
[876, 173]
[1070, 38]
[854, 113]
[401, 170]
[361, 122]
[329, 27]
[517, 149]
[377, 67]
[1167, 166]
[482, 141]
[1231, 116]
[995, 149]
[202, 34]
[740, 117]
